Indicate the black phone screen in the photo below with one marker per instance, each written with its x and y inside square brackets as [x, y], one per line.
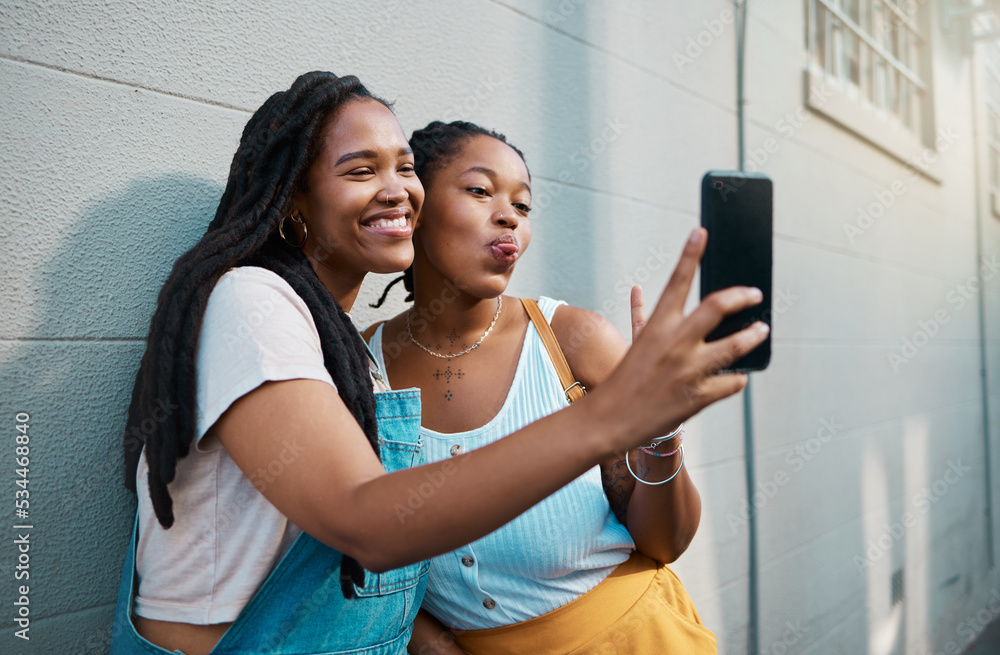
[736, 209]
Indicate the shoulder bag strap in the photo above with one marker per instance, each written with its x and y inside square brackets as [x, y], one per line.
[369, 332]
[571, 387]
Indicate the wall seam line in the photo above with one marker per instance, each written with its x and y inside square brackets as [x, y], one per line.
[652, 73]
[129, 85]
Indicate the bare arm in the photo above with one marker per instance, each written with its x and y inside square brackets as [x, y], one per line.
[665, 537]
[337, 491]
[662, 519]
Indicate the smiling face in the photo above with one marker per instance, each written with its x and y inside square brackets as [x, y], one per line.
[360, 197]
[474, 225]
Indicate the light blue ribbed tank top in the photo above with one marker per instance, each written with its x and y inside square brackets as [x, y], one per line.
[556, 551]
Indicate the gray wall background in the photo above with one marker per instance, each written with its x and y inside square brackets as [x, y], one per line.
[120, 123]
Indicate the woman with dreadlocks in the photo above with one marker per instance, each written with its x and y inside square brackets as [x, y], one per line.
[584, 570]
[283, 504]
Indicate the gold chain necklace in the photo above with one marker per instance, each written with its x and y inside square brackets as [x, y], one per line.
[467, 350]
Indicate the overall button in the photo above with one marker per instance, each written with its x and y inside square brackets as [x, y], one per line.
[468, 561]
[489, 603]
[455, 450]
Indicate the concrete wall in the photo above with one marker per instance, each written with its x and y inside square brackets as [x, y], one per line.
[875, 494]
[121, 123]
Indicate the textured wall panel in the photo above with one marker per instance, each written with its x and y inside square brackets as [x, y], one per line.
[122, 120]
[103, 187]
[76, 394]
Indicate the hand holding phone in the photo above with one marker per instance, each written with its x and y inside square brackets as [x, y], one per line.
[736, 210]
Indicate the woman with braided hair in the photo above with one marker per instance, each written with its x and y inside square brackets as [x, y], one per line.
[584, 570]
[284, 506]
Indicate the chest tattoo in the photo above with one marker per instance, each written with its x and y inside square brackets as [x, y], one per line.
[447, 374]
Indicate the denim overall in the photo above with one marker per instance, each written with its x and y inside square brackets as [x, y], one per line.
[299, 608]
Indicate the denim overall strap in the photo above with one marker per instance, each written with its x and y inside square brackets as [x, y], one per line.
[300, 607]
[124, 639]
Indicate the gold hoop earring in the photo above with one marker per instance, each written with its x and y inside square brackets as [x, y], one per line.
[297, 219]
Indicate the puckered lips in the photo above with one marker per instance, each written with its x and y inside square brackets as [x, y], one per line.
[391, 222]
[505, 249]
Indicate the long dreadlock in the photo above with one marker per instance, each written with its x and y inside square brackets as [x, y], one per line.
[279, 143]
[433, 147]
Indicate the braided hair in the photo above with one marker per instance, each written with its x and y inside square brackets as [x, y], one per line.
[434, 146]
[280, 142]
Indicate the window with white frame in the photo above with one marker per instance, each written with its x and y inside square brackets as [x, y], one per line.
[871, 53]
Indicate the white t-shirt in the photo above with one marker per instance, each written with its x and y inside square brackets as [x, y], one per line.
[226, 537]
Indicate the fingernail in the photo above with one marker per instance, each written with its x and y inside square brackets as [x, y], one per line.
[756, 294]
[762, 327]
[695, 237]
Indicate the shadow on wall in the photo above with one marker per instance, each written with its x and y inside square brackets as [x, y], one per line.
[577, 94]
[71, 370]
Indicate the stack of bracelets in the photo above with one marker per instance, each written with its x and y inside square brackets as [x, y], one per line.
[651, 450]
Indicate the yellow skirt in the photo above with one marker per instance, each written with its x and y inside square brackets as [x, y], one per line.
[640, 609]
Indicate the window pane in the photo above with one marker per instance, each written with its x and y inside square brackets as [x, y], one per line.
[852, 56]
[873, 48]
[819, 35]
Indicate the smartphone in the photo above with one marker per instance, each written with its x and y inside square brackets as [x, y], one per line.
[736, 209]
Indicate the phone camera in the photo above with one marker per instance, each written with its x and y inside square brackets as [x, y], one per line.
[717, 184]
